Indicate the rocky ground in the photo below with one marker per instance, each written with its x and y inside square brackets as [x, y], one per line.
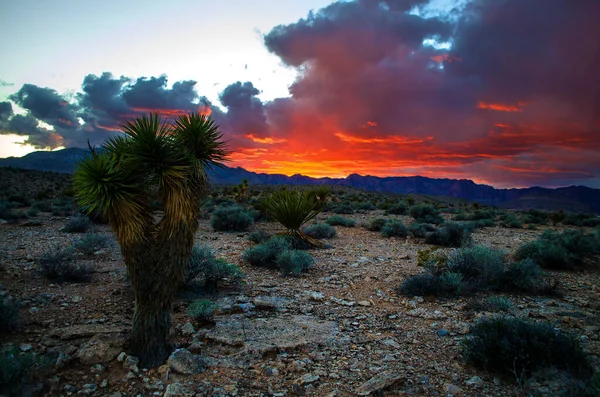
[339, 330]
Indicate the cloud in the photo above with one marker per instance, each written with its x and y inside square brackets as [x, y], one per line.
[5, 111]
[46, 105]
[5, 83]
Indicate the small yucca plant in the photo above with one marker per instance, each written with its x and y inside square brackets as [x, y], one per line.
[293, 208]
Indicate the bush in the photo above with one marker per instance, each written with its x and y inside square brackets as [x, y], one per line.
[91, 243]
[428, 284]
[492, 304]
[510, 221]
[231, 219]
[424, 213]
[535, 217]
[320, 231]
[337, 220]
[394, 228]
[452, 234]
[478, 264]
[524, 275]
[400, 208]
[294, 262]
[9, 313]
[560, 250]
[375, 225]
[258, 236]
[59, 264]
[203, 262]
[265, 254]
[345, 208]
[513, 346]
[581, 219]
[365, 206]
[42, 206]
[32, 212]
[202, 311]
[77, 224]
[15, 371]
[9, 214]
[420, 229]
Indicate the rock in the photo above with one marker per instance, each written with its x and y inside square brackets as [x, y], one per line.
[391, 343]
[272, 371]
[184, 362]
[62, 360]
[452, 389]
[77, 299]
[316, 296]
[164, 371]
[88, 389]
[364, 303]
[428, 315]
[341, 301]
[178, 390]
[130, 363]
[86, 331]
[99, 351]
[25, 347]
[442, 332]
[188, 329]
[307, 379]
[268, 303]
[474, 381]
[196, 347]
[268, 334]
[378, 383]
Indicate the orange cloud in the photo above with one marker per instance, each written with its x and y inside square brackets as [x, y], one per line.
[498, 107]
[268, 141]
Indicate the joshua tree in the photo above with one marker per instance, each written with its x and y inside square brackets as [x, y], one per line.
[293, 208]
[153, 161]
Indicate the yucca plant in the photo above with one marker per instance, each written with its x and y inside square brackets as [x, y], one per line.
[152, 162]
[293, 208]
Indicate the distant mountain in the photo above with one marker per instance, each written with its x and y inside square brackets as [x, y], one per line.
[572, 198]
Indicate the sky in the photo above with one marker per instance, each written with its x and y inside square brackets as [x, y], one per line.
[502, 92]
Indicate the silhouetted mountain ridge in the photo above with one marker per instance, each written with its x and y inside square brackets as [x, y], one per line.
[572, 198]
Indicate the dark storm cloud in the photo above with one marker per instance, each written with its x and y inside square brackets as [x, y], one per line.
[5, 111]
[245, 112]
[101, 98]
[46, 105]
[152, 93]
[5, 83]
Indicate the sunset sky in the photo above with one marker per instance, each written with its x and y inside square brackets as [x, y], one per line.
[503, 92]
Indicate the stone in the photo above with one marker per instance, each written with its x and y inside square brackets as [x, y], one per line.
[178, 390]
[196, 347]
[316, 296]
[442, 332]
[364, 303]
[88, 389]
[391, 343]
[307, 379]
[184, 362]
[268, 334]
[99, 351]
[268, 303]
[62, 360]
[453, 390]
[86, 331]
[474, 381]
[25, 347]
[188, 329]
[378, 383]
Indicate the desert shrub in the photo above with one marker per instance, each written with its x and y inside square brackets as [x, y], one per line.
[320, 231]
[365, 206]
[9, 313]
[43, 206]
[535, 217]
[200, 258]
[77, 224]
[265, 254]
[62, 207]
[556, 217]
[32, 212]
[581, 219]
[481, 223]
[432, 259]
[337, 220]
[394, 228]
[559, 250]
[9, 214]
[15, 371]
[203, 262]
[90, 243]
[258, 236]
[231, 219]
[452, 234]
[345, 208]
[492, 304]
[60, 264]
[294, 262]
[424, 213]
[19, 200]
[400, 208]
[524, 275]
[514, 346]
[420, 230]
[375, 225]
[510, 220]
[478, 264]
[202, 311]
[428, 284]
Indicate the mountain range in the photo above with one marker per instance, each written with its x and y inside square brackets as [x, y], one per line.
[572, 198]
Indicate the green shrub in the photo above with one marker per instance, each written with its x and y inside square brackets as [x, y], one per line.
[424, 213]
[492, 304]
[478, 264]
[59, 264]
[9, 313]
[264, 254]
[524, 275]
[15, 371]
[202, 311]
[510, 220]
[535, 217]
[258, 236]
[9, 214]
[345, 208]
[514, 346]
[204, 263]
[231, 219]
[420, 230]
[219, 270]
[375, 225]
[481, 223]
[42, 206]
[452, 234]
[394, 228]
[581, 219]
[560, 250]
[428, 284]
[294, 262]
[337, 220]
[365, 206]
[77, 224]
[400, 208]
[556, 217]
[32, 212]
[91, 243]
[320, 231]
